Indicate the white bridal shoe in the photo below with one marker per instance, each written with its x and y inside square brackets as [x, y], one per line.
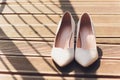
[63, 48]
[86, 50]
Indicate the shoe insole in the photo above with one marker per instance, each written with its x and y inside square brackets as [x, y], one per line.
[87, 37]
[64, 36]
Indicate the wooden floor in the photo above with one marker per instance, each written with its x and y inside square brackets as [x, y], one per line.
[27, 31]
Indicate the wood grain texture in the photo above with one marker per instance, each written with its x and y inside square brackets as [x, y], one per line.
[45, 66]
[98, 20]
[39, 49]
[36, 1]
[27, 31]
[49, 31]
[45, 25]
[31, 77]
[54, 9]
[57, 3]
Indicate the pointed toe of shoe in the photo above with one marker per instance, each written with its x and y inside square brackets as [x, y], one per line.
[62, 56]
[86, 57]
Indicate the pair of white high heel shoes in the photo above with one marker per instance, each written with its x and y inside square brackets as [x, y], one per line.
[85, 51]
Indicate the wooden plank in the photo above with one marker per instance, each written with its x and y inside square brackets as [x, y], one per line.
[99, 40]
[107, 20]
[49, 31]
[76, 3]
[25, 48]
[33, 26]
[83, 0]
[53, 9]
[99, 20]
[27, 31]
[34, 77]
[38, 48]
[110, 40]
[44, 65]
[36, 1]
[61, 3]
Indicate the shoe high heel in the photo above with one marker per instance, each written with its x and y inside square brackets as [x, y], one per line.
[86, 50]
[63, 48]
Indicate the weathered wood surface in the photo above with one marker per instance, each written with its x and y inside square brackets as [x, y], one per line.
[45, 25]
[27, 31]
[18, 77]
[49, 31]
[42, 48]
[41, 8]
[44, 65]
[53, 9]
